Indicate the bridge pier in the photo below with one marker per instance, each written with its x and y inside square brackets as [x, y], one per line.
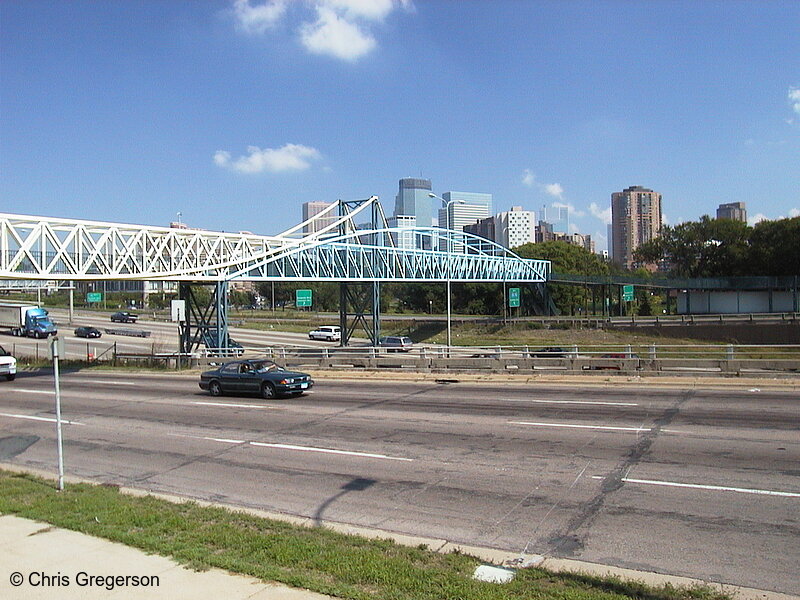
[365, 301]
[206, 317]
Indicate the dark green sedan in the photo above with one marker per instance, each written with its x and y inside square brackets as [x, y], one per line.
[263, 377]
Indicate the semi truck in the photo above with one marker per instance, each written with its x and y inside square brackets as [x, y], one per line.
[26, 320]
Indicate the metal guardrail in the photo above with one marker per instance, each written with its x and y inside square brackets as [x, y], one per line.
[720, 359]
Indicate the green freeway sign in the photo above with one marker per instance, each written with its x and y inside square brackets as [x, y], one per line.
[94, 297]
[627, 292]
[513, 297]
[302, 298]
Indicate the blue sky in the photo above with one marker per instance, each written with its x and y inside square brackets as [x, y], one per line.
[234, 113]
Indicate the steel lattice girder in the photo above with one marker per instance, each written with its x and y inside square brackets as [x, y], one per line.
[43, 248]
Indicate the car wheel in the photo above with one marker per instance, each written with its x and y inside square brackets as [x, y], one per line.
[214, 388]
[267, 390]
[10, 377]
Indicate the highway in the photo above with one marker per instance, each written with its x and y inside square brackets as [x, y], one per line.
[163, 337]
[681, 481]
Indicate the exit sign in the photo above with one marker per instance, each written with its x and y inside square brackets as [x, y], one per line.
[627, 293]
[302, 298]
[513, 297]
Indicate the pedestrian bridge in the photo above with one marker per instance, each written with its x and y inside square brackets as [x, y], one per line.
[351, 242]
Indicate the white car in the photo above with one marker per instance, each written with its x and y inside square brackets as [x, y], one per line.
[329, 333]
[8, 365]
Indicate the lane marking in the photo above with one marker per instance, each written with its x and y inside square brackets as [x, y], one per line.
[239, 405]
[592, 402]
[301, 448]
[24, 391]
[32, 418]
[569, 425]
[79, 380]
[223, 440]
[718, 488]
[329, 451]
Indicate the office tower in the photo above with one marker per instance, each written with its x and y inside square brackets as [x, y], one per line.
[483, 228]
[464, 208]
[412, 200]
[735, 211]
[515, 227]
[635, 219]
[314, 208]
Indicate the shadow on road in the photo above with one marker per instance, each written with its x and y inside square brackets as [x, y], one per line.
[358, 484]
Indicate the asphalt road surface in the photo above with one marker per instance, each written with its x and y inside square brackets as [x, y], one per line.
[682, 481]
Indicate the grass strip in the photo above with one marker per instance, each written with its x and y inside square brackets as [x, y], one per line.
[316, 559]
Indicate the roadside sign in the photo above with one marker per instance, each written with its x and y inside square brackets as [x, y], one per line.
[94, 297]
[178, 311]
[627, 292]
[513, 297]
[302, 298]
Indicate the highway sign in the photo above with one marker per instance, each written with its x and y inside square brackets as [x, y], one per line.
[513, 297]
[94, 297]
[302, 298]
[627, 292]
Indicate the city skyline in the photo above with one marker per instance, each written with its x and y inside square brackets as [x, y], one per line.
[235, 113]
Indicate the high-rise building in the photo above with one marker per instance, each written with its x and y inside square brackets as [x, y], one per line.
[412, 200]
[483, 228]
[515, 227]
[464, 208]
[735, 211]
[635, 219]
[314, 208]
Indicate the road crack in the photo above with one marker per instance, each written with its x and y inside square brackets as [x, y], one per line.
[571, 540]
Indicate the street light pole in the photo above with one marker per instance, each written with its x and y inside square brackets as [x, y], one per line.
[449, 268]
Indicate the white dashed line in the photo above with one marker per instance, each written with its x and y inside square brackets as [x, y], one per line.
[569, 425]
[32, 418]
[716, 488]
[239, 405]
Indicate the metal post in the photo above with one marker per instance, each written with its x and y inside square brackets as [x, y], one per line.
[58, 415]
[71, 301]
[376, 313]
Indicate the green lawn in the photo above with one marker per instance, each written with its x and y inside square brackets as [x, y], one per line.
[317, 559]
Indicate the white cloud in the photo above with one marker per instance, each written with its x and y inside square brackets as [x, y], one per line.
[373, 10]
[528, 178]
[793, 212]
[794, 99]
[599, 213]
[554, 189]
[336, 36]
[259, 17]
[757, 218]
[291, 157]
[571, 210]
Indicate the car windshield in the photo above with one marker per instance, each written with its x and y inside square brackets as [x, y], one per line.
[3, 352]
[266, 366]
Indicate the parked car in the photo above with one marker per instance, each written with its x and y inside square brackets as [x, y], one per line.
[263, 377]
[8, 364]
[396, 343]
[124, 317]
[549, 352]
[87, 332]
[329, 333]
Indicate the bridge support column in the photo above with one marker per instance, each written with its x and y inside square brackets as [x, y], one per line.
[206, 317]
[355, 300]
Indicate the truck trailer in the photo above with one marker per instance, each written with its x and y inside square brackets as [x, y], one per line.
[26, 320]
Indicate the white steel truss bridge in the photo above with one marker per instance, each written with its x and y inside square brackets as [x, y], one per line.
[52, 249]
[350, 242]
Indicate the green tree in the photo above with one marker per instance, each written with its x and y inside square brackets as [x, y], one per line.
[705, 248]
[567, 258]
[775, 248]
